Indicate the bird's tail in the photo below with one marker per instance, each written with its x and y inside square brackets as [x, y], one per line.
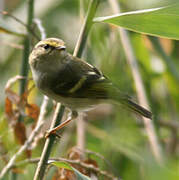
[136, 108]
[107, 90]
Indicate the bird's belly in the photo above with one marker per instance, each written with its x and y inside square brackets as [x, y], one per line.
[79, 104]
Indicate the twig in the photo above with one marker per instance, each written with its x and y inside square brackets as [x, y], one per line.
[8, 31]
[29, 140]
[153, 140]
[40, 171]
[76, 162]
[25, 58]
[81, 124]
[40, 27]
[21, 22]
[12, 80]
[13, 17]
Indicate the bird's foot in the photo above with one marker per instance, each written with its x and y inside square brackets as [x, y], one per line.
[53, 131]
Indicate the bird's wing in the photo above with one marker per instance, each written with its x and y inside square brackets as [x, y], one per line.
[79, 79]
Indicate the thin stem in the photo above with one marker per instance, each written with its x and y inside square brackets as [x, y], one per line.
[5, 30]
[40, 171]
[22, 23]
[81, 129]
[25, 67]
[78, 52]
[131, 59]
[40, 27]
[86, 28]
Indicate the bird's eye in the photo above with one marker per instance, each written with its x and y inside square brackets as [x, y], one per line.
[47, 46]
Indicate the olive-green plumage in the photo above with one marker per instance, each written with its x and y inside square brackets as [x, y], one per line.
[73, 82]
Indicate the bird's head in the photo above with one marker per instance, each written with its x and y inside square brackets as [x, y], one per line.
[47, 50]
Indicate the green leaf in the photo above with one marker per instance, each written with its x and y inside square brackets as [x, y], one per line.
[65, 165]
[62, 164]
[163, 21]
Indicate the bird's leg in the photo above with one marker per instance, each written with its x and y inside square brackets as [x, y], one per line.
[72, 115]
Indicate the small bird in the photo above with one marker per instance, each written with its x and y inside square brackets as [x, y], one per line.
[73, 82]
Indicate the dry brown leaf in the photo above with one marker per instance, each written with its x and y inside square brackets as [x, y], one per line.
[20, 132]
[8, 108]
[28, 153]
[64, 174]
[33, 111]
[17, 170]
[91, 162]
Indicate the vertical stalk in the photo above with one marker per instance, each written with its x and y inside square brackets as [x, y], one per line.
[25, 57]
[78, 52]
[24, 66]
[81, 133]
[40, 171]
[148, 124]
[86, 28]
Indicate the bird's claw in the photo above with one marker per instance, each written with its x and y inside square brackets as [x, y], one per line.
[50, 133]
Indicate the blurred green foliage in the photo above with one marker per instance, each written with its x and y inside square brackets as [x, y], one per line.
[113, 132]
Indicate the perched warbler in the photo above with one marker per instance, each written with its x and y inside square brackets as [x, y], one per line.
[72, 81]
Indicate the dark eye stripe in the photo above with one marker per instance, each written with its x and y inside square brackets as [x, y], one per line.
[47, 46]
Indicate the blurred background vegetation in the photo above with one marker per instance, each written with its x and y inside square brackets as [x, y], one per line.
[114, 133]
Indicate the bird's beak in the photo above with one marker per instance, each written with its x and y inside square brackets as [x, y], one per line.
[61, 47]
